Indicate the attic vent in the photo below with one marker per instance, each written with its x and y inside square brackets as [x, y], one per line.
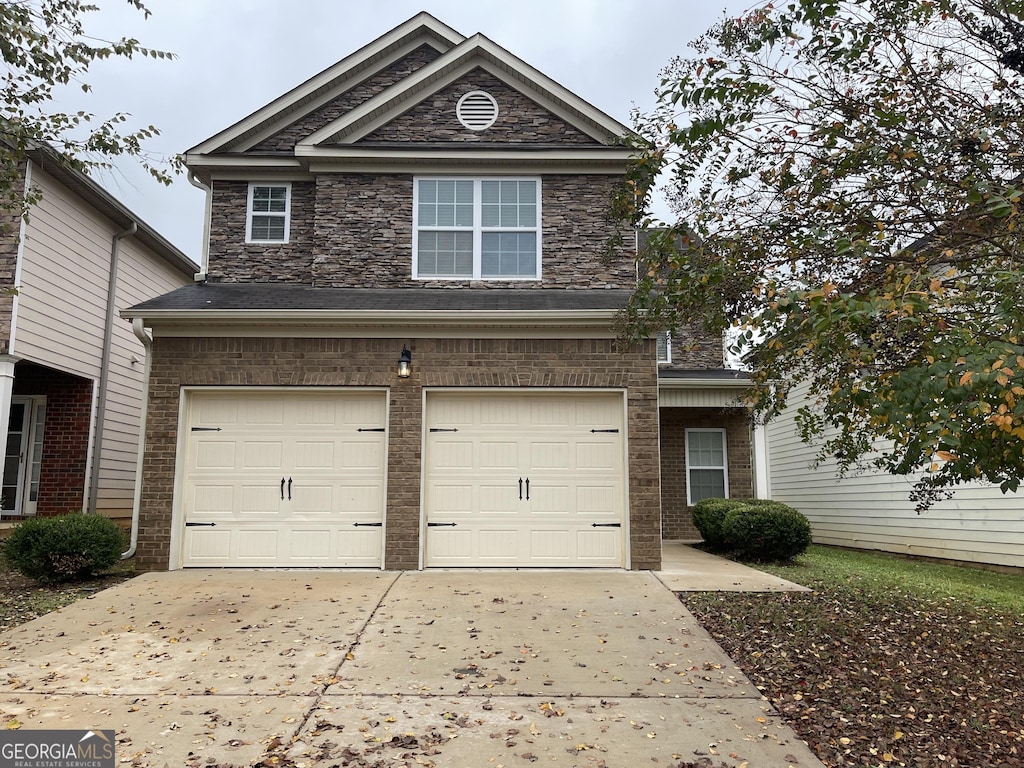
[477, 110]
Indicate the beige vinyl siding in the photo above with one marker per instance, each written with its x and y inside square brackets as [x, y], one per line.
[60, 318]
[871, 510]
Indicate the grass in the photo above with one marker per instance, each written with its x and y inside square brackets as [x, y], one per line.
[889, 661]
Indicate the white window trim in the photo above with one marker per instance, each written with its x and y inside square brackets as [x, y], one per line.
[287, 215]
[725, 461]
[477, 228]
[667, 360]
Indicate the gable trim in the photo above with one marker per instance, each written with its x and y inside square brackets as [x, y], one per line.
[475, 52]
[319, 89]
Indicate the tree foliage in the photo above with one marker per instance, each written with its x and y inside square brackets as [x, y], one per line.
[45, 47]
[847, 178]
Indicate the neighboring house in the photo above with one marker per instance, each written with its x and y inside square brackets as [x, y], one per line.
[872, 510]
[71, 372]
[402, 352]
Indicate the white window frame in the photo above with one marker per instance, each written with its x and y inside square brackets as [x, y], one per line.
[725, 461]
[286, 215]
[478, 229]
[667, 359]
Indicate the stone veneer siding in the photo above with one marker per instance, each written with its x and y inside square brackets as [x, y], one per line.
[234, 260]
[520, 119]
[285, 140]
[575, 363]
[694, 348]
[355, 230]
[676, 519]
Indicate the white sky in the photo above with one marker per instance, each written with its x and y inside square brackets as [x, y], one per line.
[234, 56]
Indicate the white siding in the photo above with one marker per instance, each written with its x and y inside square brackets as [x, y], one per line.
[872, 511]
[61, 306]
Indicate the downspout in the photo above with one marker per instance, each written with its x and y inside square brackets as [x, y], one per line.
[208, 212]
[108, 340]
[139, 329]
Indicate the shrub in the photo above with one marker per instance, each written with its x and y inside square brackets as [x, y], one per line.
[766, 530]
[708, 517]
[64, 548]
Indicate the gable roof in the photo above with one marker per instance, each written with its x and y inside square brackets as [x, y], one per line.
[335, 143]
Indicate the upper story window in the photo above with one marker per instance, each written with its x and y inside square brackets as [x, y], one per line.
[476, 229]
[269, 213]
[664, 346]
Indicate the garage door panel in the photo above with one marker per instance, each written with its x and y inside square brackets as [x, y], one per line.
[286, 479]
[570, 449]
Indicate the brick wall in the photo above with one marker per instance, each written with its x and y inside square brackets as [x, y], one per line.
[355, 230]
[572, 363]
[62, 473]
[677, 522]
[520, 119]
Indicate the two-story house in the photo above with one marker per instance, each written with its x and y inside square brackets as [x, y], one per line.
[71, 372]
[402, 352]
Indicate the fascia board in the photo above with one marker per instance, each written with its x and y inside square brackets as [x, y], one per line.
[255, 162]
[389, 318]
[711, 384]
[343, 71]
[474, 52]
[447, 167]
[321, 159]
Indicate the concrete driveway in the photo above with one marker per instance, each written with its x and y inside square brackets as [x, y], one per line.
[440, 668]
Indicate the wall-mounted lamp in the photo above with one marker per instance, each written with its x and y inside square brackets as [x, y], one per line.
[405, 363]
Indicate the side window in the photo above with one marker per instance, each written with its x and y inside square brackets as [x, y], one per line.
[664, 339]
[466, 229]
[707, 474]
[268, 213]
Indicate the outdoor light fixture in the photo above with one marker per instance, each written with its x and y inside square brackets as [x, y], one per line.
[405, 363]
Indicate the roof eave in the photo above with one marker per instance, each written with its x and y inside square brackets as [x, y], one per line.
[405, 318]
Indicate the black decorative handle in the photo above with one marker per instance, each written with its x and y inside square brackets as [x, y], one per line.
[527, 489]
[282, 489]
[289, 489]
[520, 489]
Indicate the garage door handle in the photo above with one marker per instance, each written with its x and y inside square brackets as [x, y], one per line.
[367, 525]
[520, 489]
[289, 489]
[606, 525]
[441, 525]
[200, 525]
[527, 489]
[282, 489]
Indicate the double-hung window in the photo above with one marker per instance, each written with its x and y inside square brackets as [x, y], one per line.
[268, 213]
[707, 473]
[476, 229]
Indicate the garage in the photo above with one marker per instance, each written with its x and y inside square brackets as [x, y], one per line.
[532, 479]
[283, 478]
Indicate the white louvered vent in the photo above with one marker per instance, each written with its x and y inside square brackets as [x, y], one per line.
[477, 110]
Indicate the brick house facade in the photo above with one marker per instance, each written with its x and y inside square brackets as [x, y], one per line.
[412, 362]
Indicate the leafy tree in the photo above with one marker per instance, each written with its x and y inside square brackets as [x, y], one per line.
[847, 181]
[45, 46]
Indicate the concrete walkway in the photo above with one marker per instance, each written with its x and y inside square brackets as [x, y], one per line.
[685, 569]
[438, 668]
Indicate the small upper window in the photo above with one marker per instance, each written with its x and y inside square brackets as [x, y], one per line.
[664, 345]
[269, 213]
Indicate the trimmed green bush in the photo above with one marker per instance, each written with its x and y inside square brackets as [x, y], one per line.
[708, 517]
[766, 530]
[64, 548]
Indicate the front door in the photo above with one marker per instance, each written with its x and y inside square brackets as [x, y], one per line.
[22, 457]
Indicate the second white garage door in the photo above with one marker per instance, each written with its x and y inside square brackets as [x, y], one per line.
[284, 478]
[524, 479]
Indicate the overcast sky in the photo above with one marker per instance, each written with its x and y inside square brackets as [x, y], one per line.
[235, 56]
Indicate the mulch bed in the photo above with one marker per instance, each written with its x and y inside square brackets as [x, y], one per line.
[881, 678]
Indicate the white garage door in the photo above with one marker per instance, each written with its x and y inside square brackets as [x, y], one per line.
[524, 479]
[284, 479]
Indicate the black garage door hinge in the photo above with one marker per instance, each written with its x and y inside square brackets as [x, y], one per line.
[440, 429]
[441, 525]
[200, 525]
[206, 429]
[605, 430]
[370, 429]
[606, 525]
[367, 525]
